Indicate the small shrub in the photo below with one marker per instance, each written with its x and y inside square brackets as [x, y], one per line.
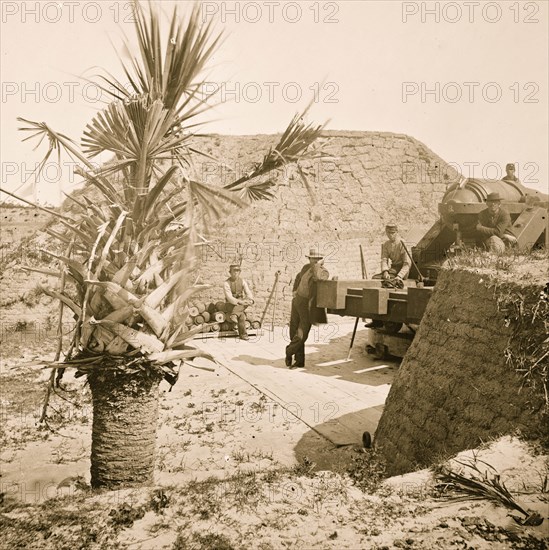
[304, 468]
[20, 326]
[31, 297]
[367, 470]
[505, 263]
[159, 500]
[125, 515]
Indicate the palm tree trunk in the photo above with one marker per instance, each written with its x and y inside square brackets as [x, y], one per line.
[125, 414]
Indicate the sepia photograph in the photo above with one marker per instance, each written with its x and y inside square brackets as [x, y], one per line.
[274, 275]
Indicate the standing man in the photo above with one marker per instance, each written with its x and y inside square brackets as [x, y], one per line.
[491, 225]
[395, 262]
[238, 297]
[304, 309]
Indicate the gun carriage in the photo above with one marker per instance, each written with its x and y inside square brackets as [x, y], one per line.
[459, 208]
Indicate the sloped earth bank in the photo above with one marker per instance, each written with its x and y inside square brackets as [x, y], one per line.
[477, 367]
[227, 478]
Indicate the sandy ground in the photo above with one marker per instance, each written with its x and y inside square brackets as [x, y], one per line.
[237, 469]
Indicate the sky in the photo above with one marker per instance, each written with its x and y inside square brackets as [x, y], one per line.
[468, 79]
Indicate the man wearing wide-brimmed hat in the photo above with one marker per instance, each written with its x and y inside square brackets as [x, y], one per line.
[305, 312]
[492, 223]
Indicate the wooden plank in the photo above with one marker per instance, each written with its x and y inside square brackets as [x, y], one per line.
[337, 409]
[418, 298]
[331, 294]
[337, 415]
[369, 369]
[375, 300]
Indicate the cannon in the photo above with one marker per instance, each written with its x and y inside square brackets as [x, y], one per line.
[398, 308]
[458, 211]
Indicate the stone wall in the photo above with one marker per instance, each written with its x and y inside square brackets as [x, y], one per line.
[456, 387]
[367, 179]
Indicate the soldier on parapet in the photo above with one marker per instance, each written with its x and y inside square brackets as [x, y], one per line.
[510, 173]
[492, 224]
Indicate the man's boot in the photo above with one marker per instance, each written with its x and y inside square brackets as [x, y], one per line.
[242, 333]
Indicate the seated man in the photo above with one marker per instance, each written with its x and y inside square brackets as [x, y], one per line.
[395, 263]
[492, 223]
[238, 297]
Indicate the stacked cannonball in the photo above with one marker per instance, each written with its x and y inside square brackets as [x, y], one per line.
[202, 313]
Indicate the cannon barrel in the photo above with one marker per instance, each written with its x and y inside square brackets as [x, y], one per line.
[469, 198]
[476, 190]
[462, 203]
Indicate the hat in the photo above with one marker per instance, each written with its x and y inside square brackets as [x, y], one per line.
[234, 266]
[493, 197]
[314, 254]
[391, 227]
[509, 165]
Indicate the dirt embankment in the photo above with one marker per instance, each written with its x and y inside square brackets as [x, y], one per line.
[477, 368]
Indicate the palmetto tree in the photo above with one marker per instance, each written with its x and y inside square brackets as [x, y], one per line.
[130, 272]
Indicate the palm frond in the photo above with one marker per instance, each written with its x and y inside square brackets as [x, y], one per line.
[474, 483]
[134, 249]
[294, 145]
[169, 75]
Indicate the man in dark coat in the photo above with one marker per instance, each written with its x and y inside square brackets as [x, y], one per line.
[492, 223]
[304, 309]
